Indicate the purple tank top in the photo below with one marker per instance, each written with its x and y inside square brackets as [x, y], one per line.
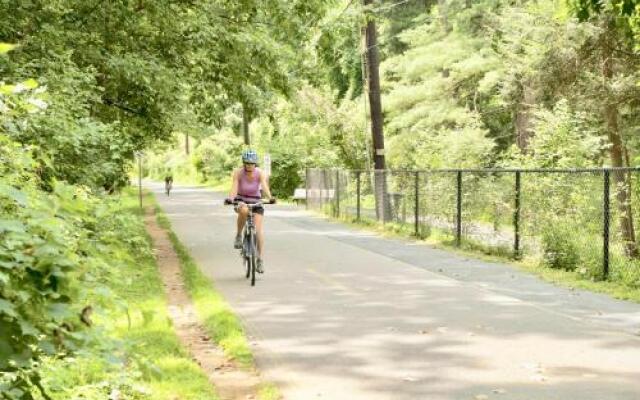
[249, 190]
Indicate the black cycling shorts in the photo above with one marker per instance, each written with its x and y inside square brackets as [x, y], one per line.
[257, 210]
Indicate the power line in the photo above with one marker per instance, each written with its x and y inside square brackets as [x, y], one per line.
[345, 9]
[390, 6]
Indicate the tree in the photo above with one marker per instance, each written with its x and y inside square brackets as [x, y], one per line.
[616, 19]
[137, 64]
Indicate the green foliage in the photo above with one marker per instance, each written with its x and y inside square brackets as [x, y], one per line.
[311, 130]
[285, 177]
[432, 102]
[217, 155]
[54, 248]
[134, 352]
[124, 75]
[61, 245]
[585, 9]
[338, 49]
[563, 139]
[559, 247]
[6, 47]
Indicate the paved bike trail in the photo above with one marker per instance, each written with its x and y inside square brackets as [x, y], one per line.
[344, 314]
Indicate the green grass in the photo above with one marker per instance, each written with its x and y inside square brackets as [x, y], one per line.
[134, 349]
[213, 312]
[269, 391]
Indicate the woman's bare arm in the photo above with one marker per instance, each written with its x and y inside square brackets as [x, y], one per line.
[234, 185]
[265, 186]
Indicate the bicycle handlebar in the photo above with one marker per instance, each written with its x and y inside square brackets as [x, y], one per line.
[229, 202]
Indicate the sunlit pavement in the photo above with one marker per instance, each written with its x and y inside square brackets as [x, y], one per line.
[344, 314]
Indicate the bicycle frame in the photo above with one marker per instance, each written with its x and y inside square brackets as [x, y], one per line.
[249, 234]
[249, 249]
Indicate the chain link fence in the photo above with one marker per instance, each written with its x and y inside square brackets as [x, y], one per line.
[575, 219]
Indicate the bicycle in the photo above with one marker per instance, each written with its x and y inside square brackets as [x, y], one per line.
[249, 249]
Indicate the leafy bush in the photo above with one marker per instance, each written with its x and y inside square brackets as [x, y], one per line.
[60, 251]
[559, 247]
[55, 238]
[285, 176]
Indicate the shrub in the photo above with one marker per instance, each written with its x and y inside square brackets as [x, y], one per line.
[284, 178]
[560, 248]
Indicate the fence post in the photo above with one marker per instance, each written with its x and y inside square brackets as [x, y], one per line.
[306, 188]
[337, 193]
[459, 209]
[516, 219]
[323, 190]
[605, 233]
[140, 178]
[417, 204]
[358, 196]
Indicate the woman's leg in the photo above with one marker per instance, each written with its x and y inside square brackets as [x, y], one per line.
[258, 220]
[243, 212]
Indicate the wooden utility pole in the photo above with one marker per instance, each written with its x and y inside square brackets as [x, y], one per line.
[245, 125]
[375, 106]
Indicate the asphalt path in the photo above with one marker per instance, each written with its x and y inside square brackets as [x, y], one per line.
[344, 314]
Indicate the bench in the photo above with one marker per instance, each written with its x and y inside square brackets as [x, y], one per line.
[300, 194]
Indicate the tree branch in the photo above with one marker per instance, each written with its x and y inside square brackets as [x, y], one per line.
[123, 107]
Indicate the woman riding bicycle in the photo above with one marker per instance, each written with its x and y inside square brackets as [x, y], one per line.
[168, 181]
[246, 187]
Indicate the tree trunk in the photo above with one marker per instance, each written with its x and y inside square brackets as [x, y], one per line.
[186, 143]
[444, 15]
[524, 119]
[375, 105]
[245, 126]
[617, 151]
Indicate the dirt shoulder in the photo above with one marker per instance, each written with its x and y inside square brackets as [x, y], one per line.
[231, 382]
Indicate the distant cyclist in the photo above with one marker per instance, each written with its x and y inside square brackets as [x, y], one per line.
[168, 181]
[246, 187]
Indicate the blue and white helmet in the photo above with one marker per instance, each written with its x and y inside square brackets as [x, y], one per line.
[250, 157]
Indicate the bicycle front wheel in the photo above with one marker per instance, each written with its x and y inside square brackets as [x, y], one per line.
[252, 258]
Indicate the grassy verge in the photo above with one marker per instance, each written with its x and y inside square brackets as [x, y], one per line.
[213, 312]
[133, 352]
[445, 241]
